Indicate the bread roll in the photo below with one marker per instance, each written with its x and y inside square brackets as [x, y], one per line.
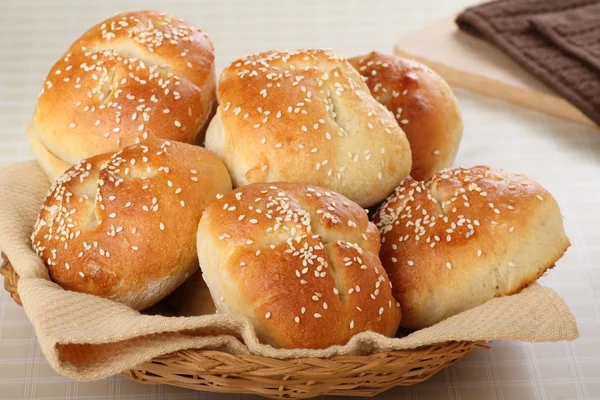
[300, 262]
[122, 225]
[464, 237]
[422, 103]
[307, 116]
[133, 76]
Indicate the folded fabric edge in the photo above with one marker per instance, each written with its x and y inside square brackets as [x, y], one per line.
[472, 23]
[14, 243]
[124, 355]
[546, 26]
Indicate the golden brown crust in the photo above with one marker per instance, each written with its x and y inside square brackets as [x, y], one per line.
[307, 116]
[121, 225]
[422, 103]
[133, 76]
[464, 237]
[300, 262]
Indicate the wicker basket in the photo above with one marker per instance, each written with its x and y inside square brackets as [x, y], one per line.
[216, 371]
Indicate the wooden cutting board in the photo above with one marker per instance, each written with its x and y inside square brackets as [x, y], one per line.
[468, 62]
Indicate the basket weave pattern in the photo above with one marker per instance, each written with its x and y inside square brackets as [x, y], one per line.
[216, 371]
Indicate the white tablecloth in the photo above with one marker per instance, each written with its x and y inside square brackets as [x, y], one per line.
[564, 157]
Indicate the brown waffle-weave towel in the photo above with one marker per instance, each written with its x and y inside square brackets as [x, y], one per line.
[556, 40]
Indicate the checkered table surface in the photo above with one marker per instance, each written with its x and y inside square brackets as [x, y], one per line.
[563, 157]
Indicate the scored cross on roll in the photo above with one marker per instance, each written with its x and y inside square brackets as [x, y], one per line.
[122, 225]
[464, 237]
[307, 116]
[300, 262]
[133, 76]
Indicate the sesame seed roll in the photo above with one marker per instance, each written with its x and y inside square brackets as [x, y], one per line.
[135, 75]
[464, 237]
[307, 116]
[422, 103]
[122, 225]
[299, 261]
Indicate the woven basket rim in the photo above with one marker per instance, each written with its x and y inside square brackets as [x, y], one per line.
[218, 371]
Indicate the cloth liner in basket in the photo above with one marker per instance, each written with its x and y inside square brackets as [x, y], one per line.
[87, 337]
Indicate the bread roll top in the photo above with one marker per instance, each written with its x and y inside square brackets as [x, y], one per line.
[300, 262]
[306, 116]
[133, 76]
[464, 237]
[122, 225]
[422, 103]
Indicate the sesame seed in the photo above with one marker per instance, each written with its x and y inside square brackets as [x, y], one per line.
[511, 264]
[268, 315]
[162, 226]
[449, 265]
[317, 315]
[539, 197]
[381, 311]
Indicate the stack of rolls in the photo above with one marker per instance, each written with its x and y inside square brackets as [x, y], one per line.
[268, 221]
